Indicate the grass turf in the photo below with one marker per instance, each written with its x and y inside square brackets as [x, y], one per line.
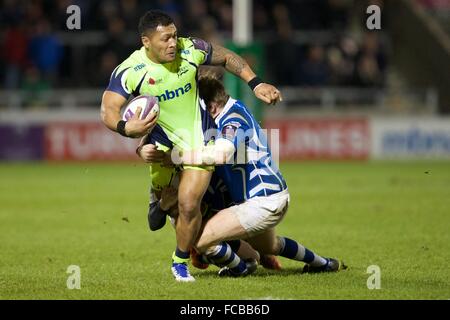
[392, 214]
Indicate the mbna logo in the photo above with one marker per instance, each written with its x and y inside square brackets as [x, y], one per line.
[169, 95]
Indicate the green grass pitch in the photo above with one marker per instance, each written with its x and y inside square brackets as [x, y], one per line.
[395, 215]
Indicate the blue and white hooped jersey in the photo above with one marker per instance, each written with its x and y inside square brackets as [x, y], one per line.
[253, 172]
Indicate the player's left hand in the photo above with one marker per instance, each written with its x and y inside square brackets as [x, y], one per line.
[150, 153]
[136, 128]
[268, 93]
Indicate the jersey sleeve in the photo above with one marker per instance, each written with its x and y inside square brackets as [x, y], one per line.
[159, 138]
[202, 51]
[236, 129]
[120, 82]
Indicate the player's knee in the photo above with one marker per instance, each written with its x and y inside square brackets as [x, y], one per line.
[212, 250]
[270, 247]
[188, 207]
[275, 246]
[205, 241]
[203, 248]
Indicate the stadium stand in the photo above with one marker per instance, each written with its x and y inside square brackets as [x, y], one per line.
[320, 46]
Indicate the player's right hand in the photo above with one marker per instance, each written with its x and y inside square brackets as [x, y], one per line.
[268, 93]
[150, 154]
[136, 128]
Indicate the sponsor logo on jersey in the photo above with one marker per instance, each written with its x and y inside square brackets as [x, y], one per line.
[172, 94]
[152, 81]
[182, 71]
[139, 67]
[185, 51]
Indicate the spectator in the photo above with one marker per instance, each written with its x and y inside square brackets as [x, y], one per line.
[260, 18]
[368, 74]
[34, 12]
[314, 71]
[15, 54]
[196, 14]
[35, 88]
[284, 50]
[308, 14]
[45, 51]
[371, 61]
[108, 62]
[102, 13]
[11, 12]
[172, 7]
[117, 39]
[338, 13]
[131, 13]
[342, 60]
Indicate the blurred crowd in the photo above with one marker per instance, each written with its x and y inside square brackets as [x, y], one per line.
[435, 4]
[343, 61]
[34, 57]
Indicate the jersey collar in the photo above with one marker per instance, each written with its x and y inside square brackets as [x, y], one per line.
[226, 108]
[144, 56]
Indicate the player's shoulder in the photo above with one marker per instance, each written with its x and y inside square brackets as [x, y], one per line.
[235, 112]
[190, 44]
[195, 50]
[132, 65]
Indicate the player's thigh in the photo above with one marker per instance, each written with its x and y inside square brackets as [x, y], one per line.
[193, 185]
[223, 226]
[259, 214]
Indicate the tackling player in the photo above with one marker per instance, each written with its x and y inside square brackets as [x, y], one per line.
[166, 67]
[257, 188]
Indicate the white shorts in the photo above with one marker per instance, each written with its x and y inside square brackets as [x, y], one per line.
[261, 213]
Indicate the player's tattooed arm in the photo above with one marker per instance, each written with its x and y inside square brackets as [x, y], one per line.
[239, 67]
[231, 62]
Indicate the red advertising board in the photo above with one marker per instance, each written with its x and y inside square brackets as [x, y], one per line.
[82, 141]
[322, 138]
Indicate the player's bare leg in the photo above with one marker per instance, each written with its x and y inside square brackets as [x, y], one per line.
[246, 251]
[221, 227]
[225, 226]
[193, 185]
[268, 245]
[266, 242]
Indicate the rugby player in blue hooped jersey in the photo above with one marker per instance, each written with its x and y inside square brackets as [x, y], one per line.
[258, 190]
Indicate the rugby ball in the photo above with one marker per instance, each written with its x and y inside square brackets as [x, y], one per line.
[147, 103]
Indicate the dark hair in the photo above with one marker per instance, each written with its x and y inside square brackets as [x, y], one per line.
[211, 89]
[152, 19]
